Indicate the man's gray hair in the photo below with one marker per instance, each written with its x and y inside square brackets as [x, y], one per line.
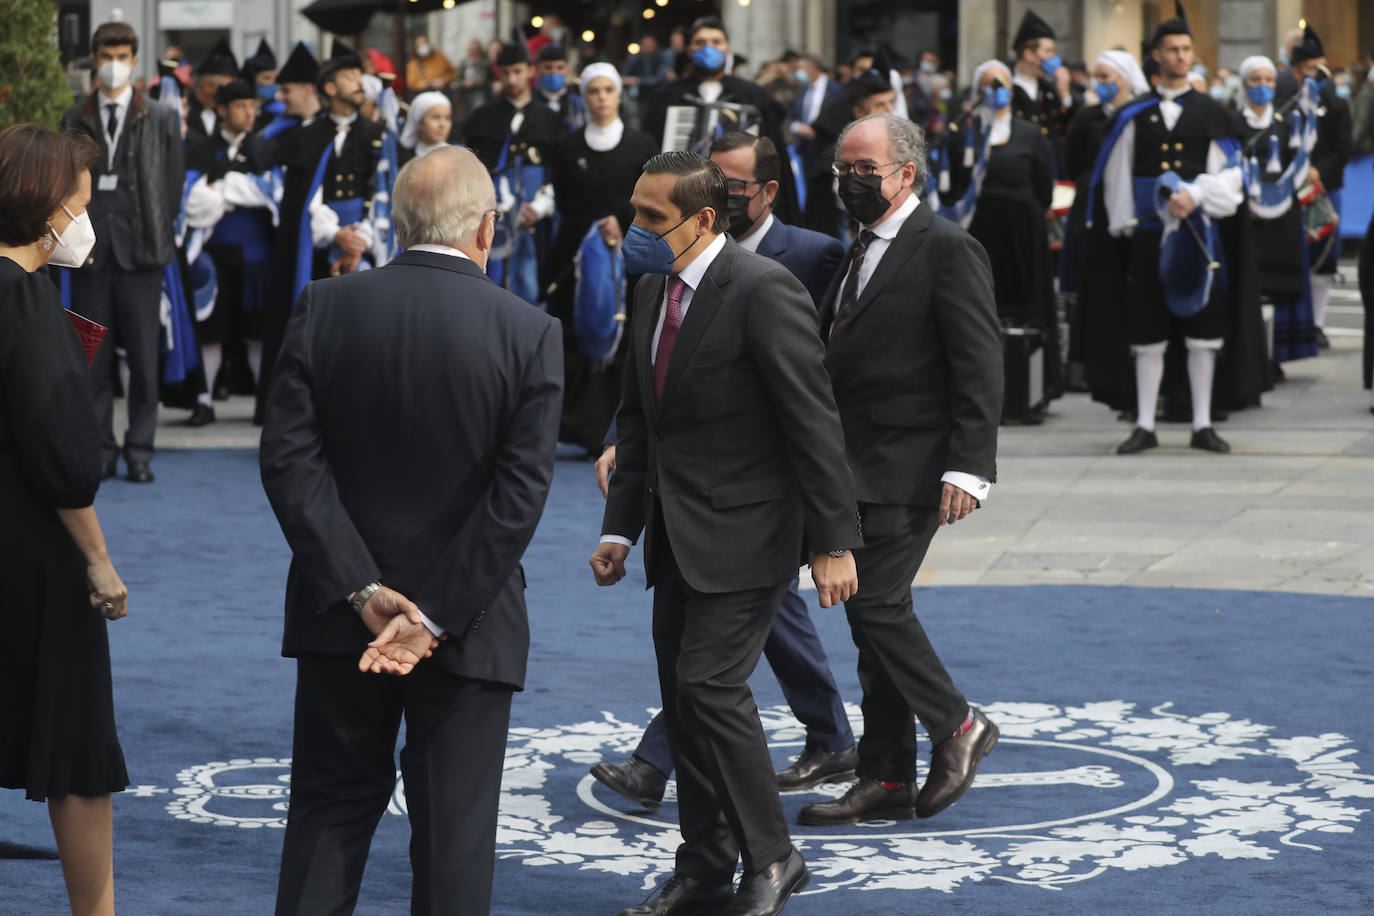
[440, 198]
[905, 139]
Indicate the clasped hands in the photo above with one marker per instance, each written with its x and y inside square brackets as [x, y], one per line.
[402, 639]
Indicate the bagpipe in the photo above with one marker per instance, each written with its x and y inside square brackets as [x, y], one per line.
[514, 262]
[975, 163]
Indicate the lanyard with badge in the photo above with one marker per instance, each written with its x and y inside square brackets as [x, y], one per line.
[110, 180]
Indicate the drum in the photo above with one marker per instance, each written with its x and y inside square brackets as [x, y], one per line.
[1060, 205]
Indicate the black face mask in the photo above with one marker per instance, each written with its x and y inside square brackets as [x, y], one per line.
[863, 197]
[737, 208]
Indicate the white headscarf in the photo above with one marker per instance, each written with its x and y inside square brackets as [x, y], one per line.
[419, 107]
[372, 87]
[1128, 69]
[974, 90]
[601, 68]
[1253, 63]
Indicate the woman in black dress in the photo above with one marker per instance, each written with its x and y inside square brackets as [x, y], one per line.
[1279, 239]
[1009, 220]
[57, 729]
[594, 174]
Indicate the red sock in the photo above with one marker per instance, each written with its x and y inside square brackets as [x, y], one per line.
[890, 786]
[968, 723]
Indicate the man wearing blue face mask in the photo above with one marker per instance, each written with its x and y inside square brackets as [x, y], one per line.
[817, 90]
[260, 72]
[709, 83]
[551, 82]
[1042, 87]
[731, 463]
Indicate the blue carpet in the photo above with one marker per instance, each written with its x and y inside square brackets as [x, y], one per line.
[1162, 751]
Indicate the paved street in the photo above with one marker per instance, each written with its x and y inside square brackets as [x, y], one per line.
[1291, 509]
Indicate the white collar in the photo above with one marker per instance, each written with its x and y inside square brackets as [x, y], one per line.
[122, 99]
[692, 273]
[1029, 84]
[232, 140]
[1261, 119]
[518, 106]
[1171, 95]
[440, 249]
[751, 242]
[343, 122]
[602, 139]
[890, 226]
[423, 149]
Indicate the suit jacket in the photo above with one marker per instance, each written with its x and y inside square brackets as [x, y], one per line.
[917, 369]
[812, 257]
[744, 459]
[409, 437]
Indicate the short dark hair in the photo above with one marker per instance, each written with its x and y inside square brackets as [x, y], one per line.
[700, 183]
[708, 22]
[39, 169]
[767, 163]
[114, 34]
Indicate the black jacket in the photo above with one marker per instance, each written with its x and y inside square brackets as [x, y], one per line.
[917, 368]
[409, 437]
[744, 457]
[159, 168]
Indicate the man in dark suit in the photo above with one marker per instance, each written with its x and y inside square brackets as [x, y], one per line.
[817, 89]
[135, 198]
[731, 463]
[434, 488]
[914, 351]
[794, 649]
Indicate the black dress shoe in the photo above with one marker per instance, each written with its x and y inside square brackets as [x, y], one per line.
[866, 800]
[139, 472]
[109, 468]
[1208, 440]
[220, 393]
[682, 895]
[1322, 342]
[201, 415]
[953, 765]
[1139, 440]
[817, 765]
[638, 780]
[765, 893]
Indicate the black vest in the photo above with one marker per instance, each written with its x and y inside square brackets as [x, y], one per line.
[1184, 149]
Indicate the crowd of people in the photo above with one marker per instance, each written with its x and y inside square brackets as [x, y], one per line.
[783, 311]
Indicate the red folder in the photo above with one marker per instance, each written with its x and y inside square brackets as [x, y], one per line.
[88, 332]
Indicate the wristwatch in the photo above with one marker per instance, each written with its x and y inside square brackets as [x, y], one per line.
[361, 595]
[837, 554]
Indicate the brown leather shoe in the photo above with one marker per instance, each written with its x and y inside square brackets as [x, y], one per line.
[954, 764]
[866, 800]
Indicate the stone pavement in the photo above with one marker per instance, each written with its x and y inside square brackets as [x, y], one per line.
[1291, 509]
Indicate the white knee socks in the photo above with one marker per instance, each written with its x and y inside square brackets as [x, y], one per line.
[211, 356]
[254, 348]
[1201, 368]
[1321, 295]
[1149, 375]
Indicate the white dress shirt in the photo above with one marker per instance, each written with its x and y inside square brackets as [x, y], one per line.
[690, 275]
[453, 253]
[972, 484]
[122, 101]
[752, 240]
[710, 90]
[208, 118]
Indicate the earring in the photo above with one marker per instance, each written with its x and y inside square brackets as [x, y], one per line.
[46, 242]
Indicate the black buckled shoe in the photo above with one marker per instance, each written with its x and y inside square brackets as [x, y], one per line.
[1139, 440]
[1208, 440]
[765, 893]
[636, 779]
[816, 765]
[866, 800]
[682, 895]
[953, 765]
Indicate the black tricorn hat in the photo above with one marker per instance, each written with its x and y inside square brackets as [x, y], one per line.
[263, 59]
[1309, 48]
[220, 61]
[341, 57]
[513, 53]
[234, 91]
[1176, 26]
[300, 66]
[870, 82]
[552, 52]
[1032, 28]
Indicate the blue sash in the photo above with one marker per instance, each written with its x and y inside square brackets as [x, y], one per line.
[249, 230]
[180, 355]
[1123, 117]
[280, 125]
[305, 245]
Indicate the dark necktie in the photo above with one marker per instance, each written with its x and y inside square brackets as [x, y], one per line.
[113, 124]
[672, 320]
[850, 294]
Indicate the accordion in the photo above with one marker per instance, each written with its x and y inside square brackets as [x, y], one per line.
[694, 127]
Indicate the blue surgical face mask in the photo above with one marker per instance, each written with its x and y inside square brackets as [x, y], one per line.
[801, 76]
[1343, 91]
[1260, 95]
[1105, 92]
[1219, 92]
[267, 93]
[648, 252]
[996, 97]
[927, 66]
[1051, 64]
[551, 82]
[946, 94]
[708, 59]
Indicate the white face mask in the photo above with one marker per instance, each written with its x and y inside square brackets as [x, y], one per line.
[114, 74]
[75, 243]
[422, 49]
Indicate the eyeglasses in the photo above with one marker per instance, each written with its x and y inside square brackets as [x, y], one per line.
[740, 185]
[863, 168]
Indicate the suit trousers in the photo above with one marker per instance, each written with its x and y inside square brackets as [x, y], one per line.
[797, 657]
[899, 672]
[129, 303]
[343, 773]
[707, 647]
